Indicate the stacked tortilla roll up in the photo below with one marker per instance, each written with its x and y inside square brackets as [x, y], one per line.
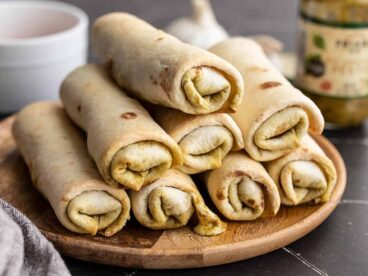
[273, 114]
[170, 202]
[61, 169]
[204, 140]
[128, 146]
[305, 175]
[160, 69]
[241, 189]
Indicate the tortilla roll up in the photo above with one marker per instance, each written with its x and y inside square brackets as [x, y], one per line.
[128, 146]
[155, 66]
[273, 115]
[204, 140]
[170, 202]
[61, 169]
[241, 189]
[305, 175]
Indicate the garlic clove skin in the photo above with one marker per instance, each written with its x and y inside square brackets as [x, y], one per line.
[272, 48]
[188, 31]
[276, 61]
[201, 30]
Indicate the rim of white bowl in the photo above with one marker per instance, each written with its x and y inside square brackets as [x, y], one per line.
[81, 25]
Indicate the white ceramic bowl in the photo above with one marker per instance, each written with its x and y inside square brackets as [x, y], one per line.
[40, 43]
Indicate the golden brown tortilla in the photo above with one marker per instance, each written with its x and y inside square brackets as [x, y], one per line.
[160, 69]
[304, 175]
[241, 189]
[273, 115]
[204, 140]
[61, 169]
[170, 202]
[128, 146]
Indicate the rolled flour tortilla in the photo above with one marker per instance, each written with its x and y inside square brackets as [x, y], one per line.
[128, 146]
[242, 189]
[160, 69]
[170, 202]
[273, 114]
[304, 175]
[204, 140]
[61, 169]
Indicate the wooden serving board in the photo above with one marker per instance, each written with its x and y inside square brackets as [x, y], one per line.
[138, 247]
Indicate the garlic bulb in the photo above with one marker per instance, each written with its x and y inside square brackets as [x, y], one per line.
[202, 29]
[272, 48]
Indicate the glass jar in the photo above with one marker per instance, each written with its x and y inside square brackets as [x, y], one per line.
[333, 58]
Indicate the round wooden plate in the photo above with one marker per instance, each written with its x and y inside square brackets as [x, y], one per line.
[138, 247]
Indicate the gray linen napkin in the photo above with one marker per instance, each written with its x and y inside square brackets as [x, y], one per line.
[23, 249]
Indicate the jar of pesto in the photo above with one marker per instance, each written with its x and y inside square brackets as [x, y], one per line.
[333, 58]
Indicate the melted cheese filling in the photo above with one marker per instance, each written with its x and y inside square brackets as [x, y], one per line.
[303, 181]
[246, 197]
[166, 203]
[205, 148]
[93, 211]
[283, 130]
[206, 88]
[140, 163]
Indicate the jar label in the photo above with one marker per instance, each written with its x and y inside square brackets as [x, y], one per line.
[333, 61]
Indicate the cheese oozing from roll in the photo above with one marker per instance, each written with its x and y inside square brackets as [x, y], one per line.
[170, 202]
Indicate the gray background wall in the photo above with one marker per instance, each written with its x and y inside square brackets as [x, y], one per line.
[239, 17]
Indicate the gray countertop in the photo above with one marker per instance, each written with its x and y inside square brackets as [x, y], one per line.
[340, 245]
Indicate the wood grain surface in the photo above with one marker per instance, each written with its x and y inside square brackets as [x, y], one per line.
[138, 247]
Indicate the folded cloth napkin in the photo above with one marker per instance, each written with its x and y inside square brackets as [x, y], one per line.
[23, 249]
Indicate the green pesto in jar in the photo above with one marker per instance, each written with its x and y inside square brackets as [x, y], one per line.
[333, 58]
